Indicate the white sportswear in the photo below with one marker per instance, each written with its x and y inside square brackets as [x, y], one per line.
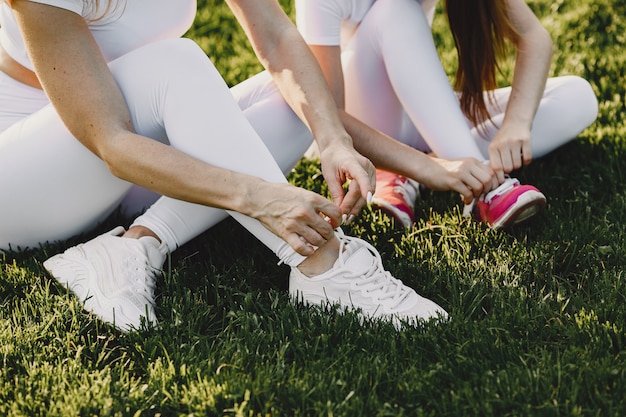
[395, 81]
[54, 188]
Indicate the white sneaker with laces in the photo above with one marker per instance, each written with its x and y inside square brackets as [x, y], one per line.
[114, 276]
[359, 282]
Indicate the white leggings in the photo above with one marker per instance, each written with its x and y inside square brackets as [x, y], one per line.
[396, 83]
[53, 188]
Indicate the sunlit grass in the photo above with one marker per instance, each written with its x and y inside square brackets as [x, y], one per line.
[537, 314]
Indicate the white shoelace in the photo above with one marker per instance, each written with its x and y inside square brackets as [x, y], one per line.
[142, 278]
[507, 185]
[377, 282]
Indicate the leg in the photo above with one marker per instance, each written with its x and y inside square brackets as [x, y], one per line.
[185, 102]
[392, 68]
[568, 106]
[284, 134]
[55, 187]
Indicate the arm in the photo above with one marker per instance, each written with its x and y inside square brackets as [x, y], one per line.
[79, 84]
[466, 176]
[281, 50]
[511, 147]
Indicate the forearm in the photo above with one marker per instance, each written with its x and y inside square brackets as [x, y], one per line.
[169, 172]
[534, 55]
[384, 151]
[303, 86]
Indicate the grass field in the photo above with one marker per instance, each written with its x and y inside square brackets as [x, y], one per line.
[538, 314]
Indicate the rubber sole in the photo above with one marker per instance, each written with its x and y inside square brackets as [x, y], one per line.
[527, 205]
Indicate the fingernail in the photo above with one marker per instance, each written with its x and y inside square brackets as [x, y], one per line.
[327, 219]
[369, 197]
[350, 219]
[343, 218]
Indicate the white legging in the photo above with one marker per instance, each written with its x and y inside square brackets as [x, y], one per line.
[53, 188]
[395, 82]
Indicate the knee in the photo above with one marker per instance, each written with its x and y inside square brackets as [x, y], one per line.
[580, 92]
[182, 53]
[162, 59]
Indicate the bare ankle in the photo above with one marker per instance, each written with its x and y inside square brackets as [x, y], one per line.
[135, 232]
[322, 260]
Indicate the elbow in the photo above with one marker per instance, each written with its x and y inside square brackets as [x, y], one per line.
[541, 41]
[113, 159]
[536, 42]
[114, 168]
[111, 150]
[547, 42]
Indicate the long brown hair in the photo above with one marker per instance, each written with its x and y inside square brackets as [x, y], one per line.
[479, 29]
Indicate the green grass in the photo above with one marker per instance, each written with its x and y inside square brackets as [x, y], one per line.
[538, 314]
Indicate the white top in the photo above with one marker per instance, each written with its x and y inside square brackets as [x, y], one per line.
[129, 25]
[332, 22]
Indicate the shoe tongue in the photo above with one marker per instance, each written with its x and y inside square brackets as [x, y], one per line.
[358, 259]
[152, 250]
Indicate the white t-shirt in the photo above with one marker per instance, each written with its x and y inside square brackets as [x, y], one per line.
[332, 22]
[129, 25]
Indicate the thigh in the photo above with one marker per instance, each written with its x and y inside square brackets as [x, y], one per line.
[567, 107]
[369, 93]
[281, 130]
[392, 70]
[52, 186]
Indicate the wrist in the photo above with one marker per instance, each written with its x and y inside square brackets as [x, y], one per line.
[517, 120]
[333, 142]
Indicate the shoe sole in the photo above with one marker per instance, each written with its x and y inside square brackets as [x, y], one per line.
[527, 205]
[401, 217]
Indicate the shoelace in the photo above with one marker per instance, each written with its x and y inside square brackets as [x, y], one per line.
[142, 278]
[507, 185]
[375, 281]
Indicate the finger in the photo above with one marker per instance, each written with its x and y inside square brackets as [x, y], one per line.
[507, 161]
[366, 181]
[353, 201]
[485, 175]
[467, 199]
[527, 152]
[516, 158]
[467, 193]
[495, 163]
[331, 215]
[498, 179]
[299, 245]
[335, 189]
[474, 187]
[312, 238]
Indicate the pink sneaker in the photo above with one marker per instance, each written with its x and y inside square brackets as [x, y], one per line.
[396, 195]
[507, 205]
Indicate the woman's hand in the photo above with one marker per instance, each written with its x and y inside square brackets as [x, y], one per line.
[510, 149]
[342, 163]
[302, 218]
[468, 177]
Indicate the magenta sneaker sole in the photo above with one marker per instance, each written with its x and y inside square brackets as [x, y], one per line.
[526, 206]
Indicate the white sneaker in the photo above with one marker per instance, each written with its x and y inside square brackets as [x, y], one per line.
[114, 276]
[359, 282]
